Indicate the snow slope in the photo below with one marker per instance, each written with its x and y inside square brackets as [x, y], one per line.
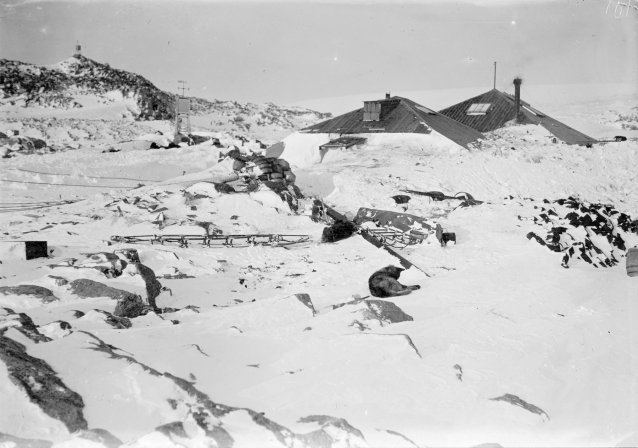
[501, 345]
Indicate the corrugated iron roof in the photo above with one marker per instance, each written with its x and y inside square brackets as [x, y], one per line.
[399, 115]
[502, 109]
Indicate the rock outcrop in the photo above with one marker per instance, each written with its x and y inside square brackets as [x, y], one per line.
[42, 385]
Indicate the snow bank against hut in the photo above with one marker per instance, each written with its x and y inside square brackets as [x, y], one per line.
[302, 149]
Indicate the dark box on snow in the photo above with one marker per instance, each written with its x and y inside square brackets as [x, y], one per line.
[35, 249]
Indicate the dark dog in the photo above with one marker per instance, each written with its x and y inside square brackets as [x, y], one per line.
[385, 283]
[338, 231]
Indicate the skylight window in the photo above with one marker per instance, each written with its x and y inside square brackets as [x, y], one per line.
[478, 108]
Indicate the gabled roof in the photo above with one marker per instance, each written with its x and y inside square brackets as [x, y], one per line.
[398, 115]
[502, 109]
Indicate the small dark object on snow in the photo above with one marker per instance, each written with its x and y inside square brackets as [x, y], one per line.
[338, 231]
[401, 198]
[385, 283]
[448, 237]
[620, 138]
[35, 249]
[318, 211]
[224, 188]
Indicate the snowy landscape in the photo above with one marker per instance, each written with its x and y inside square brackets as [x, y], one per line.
[189, 297]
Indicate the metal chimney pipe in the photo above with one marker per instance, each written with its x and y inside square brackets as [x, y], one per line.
[517, 96]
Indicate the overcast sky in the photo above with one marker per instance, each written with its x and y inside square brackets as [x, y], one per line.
[290, 51]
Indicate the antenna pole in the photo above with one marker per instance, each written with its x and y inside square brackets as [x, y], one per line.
[495, 74]
[182, 86]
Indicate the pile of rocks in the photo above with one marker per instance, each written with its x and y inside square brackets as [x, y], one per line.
[10, 146]
[597, 234]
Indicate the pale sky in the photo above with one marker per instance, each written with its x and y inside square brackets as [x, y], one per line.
[290, 51]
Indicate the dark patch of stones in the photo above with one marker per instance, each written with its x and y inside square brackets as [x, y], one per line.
[599, 219]
[387, 312]
[39, 292]
[85, 288]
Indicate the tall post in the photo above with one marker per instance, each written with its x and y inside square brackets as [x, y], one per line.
[182, 112]
[494, 74]
[517, 96]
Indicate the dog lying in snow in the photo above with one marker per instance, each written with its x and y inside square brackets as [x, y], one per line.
[385, 283]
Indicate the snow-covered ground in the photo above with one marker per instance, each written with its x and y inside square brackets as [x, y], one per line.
[501, 344]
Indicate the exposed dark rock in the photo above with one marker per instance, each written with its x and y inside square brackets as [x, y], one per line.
[338, 231]
[305, 299]
[42, 385]
[130, 306]
[52, 87]
[516, 401]
[153, 286]
[224, 188]
[597, 219]
[387, 312]
[205, 413]
[85, 288]
[10, 441]
[120, 323]
[44, 294]
[24, 325]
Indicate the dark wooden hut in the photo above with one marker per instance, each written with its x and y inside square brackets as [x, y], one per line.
[491, 110]
[396, 115]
